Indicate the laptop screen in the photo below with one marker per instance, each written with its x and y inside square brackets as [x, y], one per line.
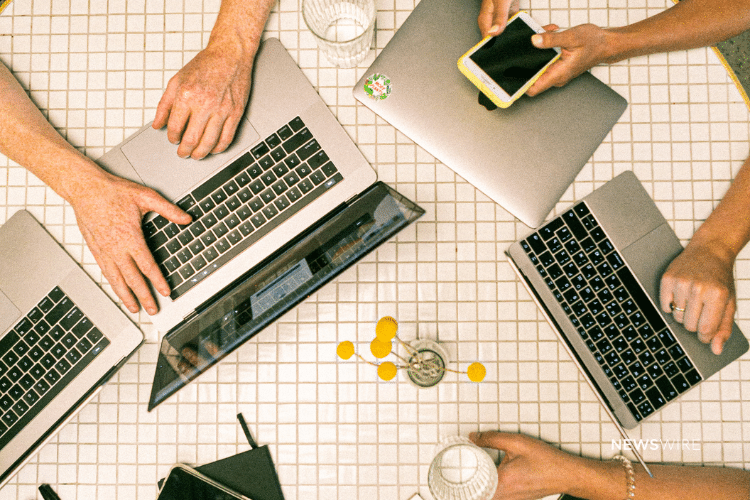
[278, 284]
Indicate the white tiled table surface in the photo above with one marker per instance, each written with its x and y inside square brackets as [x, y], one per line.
[98, 68]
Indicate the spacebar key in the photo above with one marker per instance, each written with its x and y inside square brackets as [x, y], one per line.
[640, 298]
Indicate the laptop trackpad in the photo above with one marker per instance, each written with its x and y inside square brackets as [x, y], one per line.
[155, 160]
[8, 313]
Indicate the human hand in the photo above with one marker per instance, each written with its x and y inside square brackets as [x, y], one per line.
[700, 285]
[494, 14]
[204, 103]
[582, 48]
[109, 213]
[530, 468]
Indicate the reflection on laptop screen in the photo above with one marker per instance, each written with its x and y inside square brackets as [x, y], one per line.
[278, 284]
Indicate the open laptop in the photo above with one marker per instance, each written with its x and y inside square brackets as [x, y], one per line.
[265, 214]
[595, 272]
[62, 339]
[523, 157]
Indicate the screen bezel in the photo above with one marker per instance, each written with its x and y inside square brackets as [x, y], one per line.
[487, 81]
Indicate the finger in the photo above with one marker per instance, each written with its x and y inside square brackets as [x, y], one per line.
[725, 329]
[666, 293]
[178, 120]
[227, 134]
[552, 38]
[692, 314]
[712, 317]
[164, 107]
[554, 76]
[679, 306]
[486, 18]
[151, 201]
[137, 284]
[193, 133]
[144, 259]
[510, 443]
[210, 138]
[111, 273]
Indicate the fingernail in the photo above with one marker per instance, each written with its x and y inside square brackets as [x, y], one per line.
[494, 30]
[536, 40]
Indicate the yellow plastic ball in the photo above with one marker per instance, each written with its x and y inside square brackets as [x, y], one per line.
[345, 350]
[476, 372]
[386, 328]
[387, 370]
[380, 349]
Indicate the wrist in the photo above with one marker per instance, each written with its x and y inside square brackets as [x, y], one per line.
[619, 44]
[718, 245]
[596, 479]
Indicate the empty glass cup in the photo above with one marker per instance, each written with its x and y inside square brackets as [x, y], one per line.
[343, 28]
[461, 471]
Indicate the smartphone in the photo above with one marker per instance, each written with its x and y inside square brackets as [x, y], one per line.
[503, 67]
[186, 483]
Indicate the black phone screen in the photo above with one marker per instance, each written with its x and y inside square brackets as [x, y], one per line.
[510, 59]
[182, 485]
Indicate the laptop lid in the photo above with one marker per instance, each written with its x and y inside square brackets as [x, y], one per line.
[523, 157]
[61, 338]
[278, 284]
[281, 97]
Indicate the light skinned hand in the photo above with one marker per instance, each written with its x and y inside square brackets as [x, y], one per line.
[701, 282]
[109, 215]
[494, 14]
[582, 48]
[530, 469]
[204, 103]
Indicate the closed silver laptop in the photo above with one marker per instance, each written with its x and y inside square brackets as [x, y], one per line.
[61, 339]
[523, 157]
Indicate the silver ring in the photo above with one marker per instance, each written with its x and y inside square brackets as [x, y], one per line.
[679, 309]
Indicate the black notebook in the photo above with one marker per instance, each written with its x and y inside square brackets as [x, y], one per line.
[251, 473]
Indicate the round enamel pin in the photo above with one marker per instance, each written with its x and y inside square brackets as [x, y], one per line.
[378, 86]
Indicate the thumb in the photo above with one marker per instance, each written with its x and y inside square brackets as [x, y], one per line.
[510, 443]
[154, 202]
[548, 40]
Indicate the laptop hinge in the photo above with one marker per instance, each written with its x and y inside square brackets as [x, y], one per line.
[190, 316]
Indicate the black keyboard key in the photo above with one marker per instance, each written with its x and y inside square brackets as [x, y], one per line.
[662, 356]
[685, 365]
[52, 377]
[94, 335]
[278, 154]
[680, 384]
[285, 132]
[676, 351]
[296, 124]
[308, 150]
[693, 377]
[637, 396]
[255, 171]
[306, 185]
[645, 409]
[666, 388]
[73, 356]
[260, 150]
[297, 140]
[59, 311]
[219, 196]
[628, 356]
[655, 371]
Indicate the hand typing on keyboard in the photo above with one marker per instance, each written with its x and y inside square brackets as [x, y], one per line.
[698, 289]
[109, 211]
[699, 283]
[204, 102]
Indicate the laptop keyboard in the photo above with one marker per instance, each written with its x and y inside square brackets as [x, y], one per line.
[40, 356]
[613, 315]
[241, 204]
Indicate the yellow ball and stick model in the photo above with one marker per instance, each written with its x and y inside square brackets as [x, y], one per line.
[423, 365]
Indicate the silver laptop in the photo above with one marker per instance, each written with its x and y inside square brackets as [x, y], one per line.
[289, 165]
[523, 157]
[290, 205]
[595, 271]
[62, 339]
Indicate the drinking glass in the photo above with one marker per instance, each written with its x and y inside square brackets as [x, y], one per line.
[343, 28]
[461, 471]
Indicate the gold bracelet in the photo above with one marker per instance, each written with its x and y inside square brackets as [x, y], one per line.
[630, 475]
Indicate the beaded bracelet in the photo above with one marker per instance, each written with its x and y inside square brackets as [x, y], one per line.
[630, 473]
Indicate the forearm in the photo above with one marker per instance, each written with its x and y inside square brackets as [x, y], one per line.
[27, 138]
[688, 24]
[727, 229]
[239, 27]
[606, 480]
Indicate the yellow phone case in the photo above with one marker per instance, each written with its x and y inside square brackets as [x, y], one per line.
[482, 87]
